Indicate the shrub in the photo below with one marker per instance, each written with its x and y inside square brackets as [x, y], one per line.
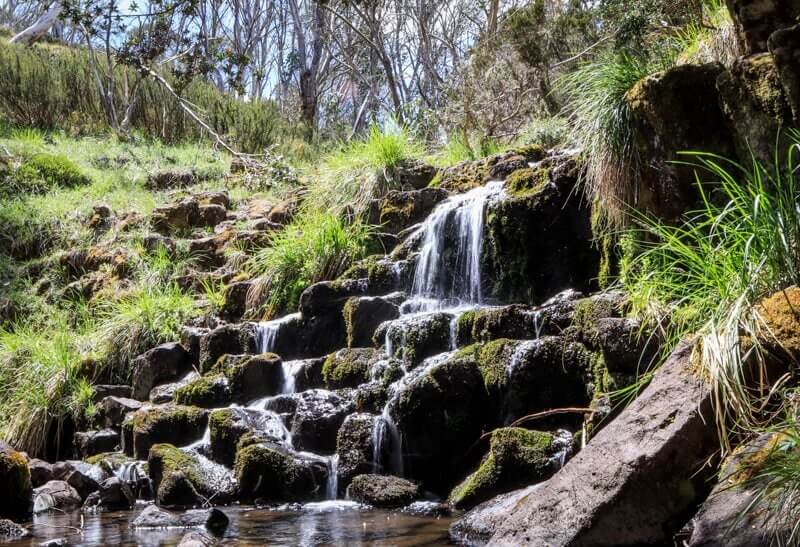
[44, 171]
[317, 246]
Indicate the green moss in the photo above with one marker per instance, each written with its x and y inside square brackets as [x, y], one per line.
[436, 181]
[146, 421]
[44, 171]
[270, 475]
[207, 391]
[378, 273]
[516, 457]
[15, 479]
[347, 367]
[531, 152]
[491, 358]
[421, 340]
[527, 181]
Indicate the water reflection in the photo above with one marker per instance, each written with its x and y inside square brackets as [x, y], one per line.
[340, 523]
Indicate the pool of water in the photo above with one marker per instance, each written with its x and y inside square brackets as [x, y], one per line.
[313, 524]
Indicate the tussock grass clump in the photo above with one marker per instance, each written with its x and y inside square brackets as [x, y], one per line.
[316, 246]
[352, 176]
[710, 39]
[44, 171]
[707, 275]
[601, 123]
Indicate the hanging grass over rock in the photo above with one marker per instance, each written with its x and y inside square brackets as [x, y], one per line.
[317, 246]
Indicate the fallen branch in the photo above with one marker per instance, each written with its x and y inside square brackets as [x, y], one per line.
[539, 415]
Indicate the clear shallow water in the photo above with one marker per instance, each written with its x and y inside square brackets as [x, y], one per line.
[316, 524]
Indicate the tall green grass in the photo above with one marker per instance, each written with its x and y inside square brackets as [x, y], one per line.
[316, 246]
[706, 275]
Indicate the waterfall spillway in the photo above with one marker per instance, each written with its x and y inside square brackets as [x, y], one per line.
[457, 223]
[268, 331]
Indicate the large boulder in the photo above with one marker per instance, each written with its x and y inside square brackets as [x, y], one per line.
[398, 209]
[56, 496]
[227, 427]
[517, 457]
[161, 364]
[355, 447]
[486, 324]
[349, 367]
[113, 494]
[181, 479]
[362, 317]
[317, 418]
[41, 472]
[266, 473]
[757, 20]
[91, 443]
[414, 338]
[179, 425]
[632, 484]
[209, 391]
[673, 111]
[252, 377]
[538, 240]
[440, 414]
[226, 339]
[383, 491]
[15, 482]
[114, 409]
[84, 477]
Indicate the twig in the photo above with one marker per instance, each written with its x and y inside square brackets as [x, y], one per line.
[544, 414]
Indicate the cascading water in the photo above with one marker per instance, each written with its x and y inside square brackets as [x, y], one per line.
[268, 331]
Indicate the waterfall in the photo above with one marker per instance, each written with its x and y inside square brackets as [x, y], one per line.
[432, 282]
[267, 332]
[332, 490]
[290, 370]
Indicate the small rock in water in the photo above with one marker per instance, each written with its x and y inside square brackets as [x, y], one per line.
[383, 490]
[427, 509]
[59, 542]
[155, 517]
[9, 529]
[197, 539]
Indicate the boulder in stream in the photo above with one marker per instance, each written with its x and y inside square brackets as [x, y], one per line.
[154, 517]
[383, 491]
[184, 479]
[56, 496]
[176, 424]
[266, 473]
[355, 447]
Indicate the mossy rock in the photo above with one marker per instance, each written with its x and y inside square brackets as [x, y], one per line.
[362, 317]
[348, 367]
[483, 325]
[266, 474]
[419, 338]
[780, 314]
[15, 483]
[44, 171]
[492, 359]
[527, 181]
[208, 391]
[383, 491]
[180, 480]
[251, 377]
[378, 272]
[517, 457]
[176, 424]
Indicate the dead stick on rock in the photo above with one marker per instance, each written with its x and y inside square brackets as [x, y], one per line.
[544, 414]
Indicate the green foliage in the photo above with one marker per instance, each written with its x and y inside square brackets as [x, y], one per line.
[546, 132]
[705, 275]
[601, 123]
[51, 86]
[349, 178]
[44, 171]
[316, 246]
[459, 149]
[711, 37]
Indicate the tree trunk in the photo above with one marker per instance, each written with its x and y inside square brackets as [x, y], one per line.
[40, 27]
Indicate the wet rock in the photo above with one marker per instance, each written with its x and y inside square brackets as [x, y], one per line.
[784, 45]
[503, 168]
[517, 457]
[55, 496]
[414, 338]
[484, 325]
[228, 425]
[154, 517]
[308, 374]
[132, 472]
[635, 480]
[230, 339]
[197, 539]
[477, 526]
[15, 482]
[176, 424]
[181, 479]
[113, 494]
[441, 414]
[430, 509]
[209, 391]
[266, 474]
[253, 377]
[116, 408]
[383, 490]
[103, 391]
[235, 304]
[161, 364]
[375, 275]
[11, 530]
[399, 210]
[41, 472]
[85, 478]
[355, 447]
[349, 367]
[90, 443]
[317, 419]
[58, 542]
[625, 346]
[190, 340]
[329, 296]
[538, 242]
[675, 110]
[165, 393]
[363, 315]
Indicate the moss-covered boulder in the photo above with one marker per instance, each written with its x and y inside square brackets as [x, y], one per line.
[376, 275]
[15, 483]
[483, 325]
[355, 447]
[383, 490]
[399, 210]
[252, 377]
[231, 339]
[266, 474]
[413, 338]
[349, 367]
[471, 174]
[517, 457]
[227, 427]
[181, 479]
[441, 414]
[538, 241]
[175, 424]
[209, 391]
[362, 317]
